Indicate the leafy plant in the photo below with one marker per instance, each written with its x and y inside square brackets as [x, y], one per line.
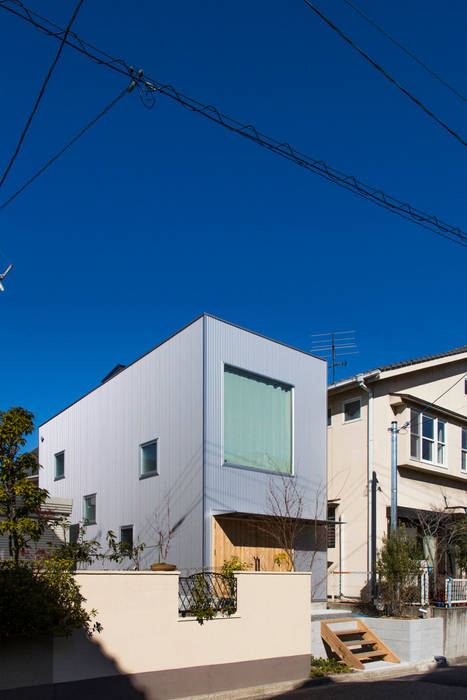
[21, 516]
[233, 564]
[398, 567]
[42, 598]
[123, 550]
[82, 551]
[202, 606]
[322, 667]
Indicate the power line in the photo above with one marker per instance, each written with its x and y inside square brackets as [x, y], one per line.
[65, 148]
[383, 72]
[42, 90]
[419, 413]
[405, 50]
[283, 149]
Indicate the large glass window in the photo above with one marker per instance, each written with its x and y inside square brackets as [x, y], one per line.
[464, 450]
[427, 438]
[257, 421]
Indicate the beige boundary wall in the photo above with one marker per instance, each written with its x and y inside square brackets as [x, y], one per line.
[147, 650]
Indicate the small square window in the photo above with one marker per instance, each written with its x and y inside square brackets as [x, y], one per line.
[148, 459]
[329, 417]
[89, 509]
[126, 536]
[59, 465]
[352, 410]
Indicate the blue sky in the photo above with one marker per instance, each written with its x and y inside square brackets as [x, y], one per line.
[155, 216]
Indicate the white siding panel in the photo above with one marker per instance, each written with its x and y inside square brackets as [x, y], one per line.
[159, 396]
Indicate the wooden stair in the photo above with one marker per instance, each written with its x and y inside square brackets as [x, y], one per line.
[355, 644]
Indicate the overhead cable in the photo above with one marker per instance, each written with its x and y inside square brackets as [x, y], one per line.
[385, 73]
[41, 92]
[406, 51]
[65, 148]
[283, 149]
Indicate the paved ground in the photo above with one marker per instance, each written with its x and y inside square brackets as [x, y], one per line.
[440, 684]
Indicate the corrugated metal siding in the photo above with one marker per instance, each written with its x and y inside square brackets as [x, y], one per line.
[231, 489]
[159, 396]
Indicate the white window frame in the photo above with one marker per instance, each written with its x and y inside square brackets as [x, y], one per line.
[345, 403]
[85, 520]
[436, 444]
[463, 452]
[155, 472]
[61, 476]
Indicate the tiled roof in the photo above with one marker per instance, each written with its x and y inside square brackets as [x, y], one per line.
[427, 358]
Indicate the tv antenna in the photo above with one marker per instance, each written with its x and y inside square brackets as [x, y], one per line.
[2, 277]
[335, 344]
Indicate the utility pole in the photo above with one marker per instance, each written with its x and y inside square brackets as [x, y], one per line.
[394, 432]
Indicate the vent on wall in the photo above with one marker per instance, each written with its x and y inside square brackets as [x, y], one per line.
[116, 370]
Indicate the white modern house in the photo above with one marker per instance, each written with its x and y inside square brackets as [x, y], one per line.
[196, 432]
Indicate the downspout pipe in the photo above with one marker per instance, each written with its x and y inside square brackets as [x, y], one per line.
[370, 563]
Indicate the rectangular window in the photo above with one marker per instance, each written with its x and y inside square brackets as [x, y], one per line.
[126, 536]
[427, 438]
[59, 465]
[148, 459]
[329, 417]
[352, 410]
[331, 527]
[464, 450]
[89, 509]
[257, 422]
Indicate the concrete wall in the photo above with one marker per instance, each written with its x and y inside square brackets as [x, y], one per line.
[166, 656]
[410, 640]
[454, 630]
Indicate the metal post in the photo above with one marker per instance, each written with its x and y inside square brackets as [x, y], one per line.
[374, 483]
[393, 475]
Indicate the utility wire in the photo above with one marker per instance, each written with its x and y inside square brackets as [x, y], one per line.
[283, 149]
[65, 148]
[406, 51]
[42, 90]
[419, 413]
[386, 75]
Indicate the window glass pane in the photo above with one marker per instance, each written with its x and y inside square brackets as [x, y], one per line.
[149, 458]
[464, 461]
[329, 416]
[126, 535]
[464, 439]
[414, 422]
[441, 449]
[428, 430]
[257, 421]
[352, 410]
[441, 431]
[90, 508]
[59, 465]
[415, 446]
[427, 450]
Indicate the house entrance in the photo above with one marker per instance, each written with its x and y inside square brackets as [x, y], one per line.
[248, 539]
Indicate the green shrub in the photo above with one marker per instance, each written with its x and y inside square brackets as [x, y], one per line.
[233, 564]
[322, 667]
[398, 567]
[41, 598]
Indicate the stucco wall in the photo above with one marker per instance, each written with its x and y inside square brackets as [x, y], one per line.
[143, 635]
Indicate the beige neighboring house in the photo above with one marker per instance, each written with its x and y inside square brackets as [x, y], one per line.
[431, 462]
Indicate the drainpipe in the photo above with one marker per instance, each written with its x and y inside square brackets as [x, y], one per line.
[370, 562]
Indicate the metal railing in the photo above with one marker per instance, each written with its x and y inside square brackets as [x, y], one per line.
[207, 589]
[455, 591]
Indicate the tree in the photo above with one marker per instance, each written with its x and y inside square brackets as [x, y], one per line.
[21, 499]
[398, 567]
[285, 525]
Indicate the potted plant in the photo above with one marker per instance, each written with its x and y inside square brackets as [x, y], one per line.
[164, 533]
